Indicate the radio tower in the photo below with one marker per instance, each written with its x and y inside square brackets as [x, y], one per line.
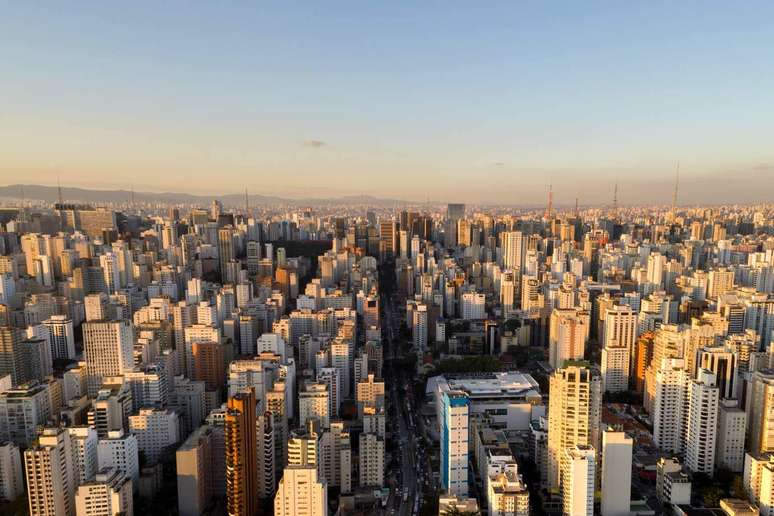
[576, 207]
[247, 205]
[674, 195]
[59, 190]
[550, 201]
[615, 197]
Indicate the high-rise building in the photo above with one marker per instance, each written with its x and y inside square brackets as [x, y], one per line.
[732, 424]
[301, 492]
[108, 350]
[371, 460]
[455, 412]
[119, 450]
[313, 404]
[573, 415]
[51, 481]
[266, 455]
[157, 430]
[620, 330]
[388, 243]
[760, 413]
[568, 333]
[336, 457]
[195, 467]
[616, 473]
[241, 450]
[670, 404]
[84, 441]
[62, 337]
[11, 475]
[513, 250]
[473, 306]
[109, 494]
[578, 480]
[702, 423]
[11, 354]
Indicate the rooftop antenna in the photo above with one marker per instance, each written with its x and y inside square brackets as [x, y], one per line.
[677, 182]
[59, 189]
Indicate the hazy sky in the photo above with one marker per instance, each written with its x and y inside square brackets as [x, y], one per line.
[458, 101]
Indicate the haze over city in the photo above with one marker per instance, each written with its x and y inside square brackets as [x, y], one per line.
[393, 100]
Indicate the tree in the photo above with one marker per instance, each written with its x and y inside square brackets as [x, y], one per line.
[453, 510]
[711, 495]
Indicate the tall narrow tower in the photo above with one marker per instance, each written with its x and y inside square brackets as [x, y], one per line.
[241, 458]
[674, 195]
[550, 209]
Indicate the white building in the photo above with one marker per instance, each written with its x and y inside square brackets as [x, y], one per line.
[62, 337]
[120, 451]
[301, 493]
[371, 460]
[729, 449]
[108, 348]
[84, 441]
[509, 397]
[11, 476]
[702, 423]
[506, 492]
[156, 430]
[313, 403]
[330, 377]
[577, 480]
[759, 482]
[669, 406]
[109, 494]
[473, 306]
[616, 473]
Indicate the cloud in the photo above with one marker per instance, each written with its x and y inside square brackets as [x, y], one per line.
[763, 166]
[315, 144]
[498, 164]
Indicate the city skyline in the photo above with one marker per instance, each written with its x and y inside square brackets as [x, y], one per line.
[403, 102]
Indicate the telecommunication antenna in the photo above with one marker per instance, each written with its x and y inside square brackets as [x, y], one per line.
[59, 190]
[677, 183]
[550, 200]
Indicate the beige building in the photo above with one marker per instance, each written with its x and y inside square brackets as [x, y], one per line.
[109, 494]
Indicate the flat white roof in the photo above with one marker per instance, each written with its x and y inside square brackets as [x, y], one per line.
[486, 385]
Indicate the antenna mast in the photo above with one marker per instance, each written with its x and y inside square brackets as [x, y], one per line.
[247, 205]
[615, 196]
[59, 190]
[677, 182]
[550, 200]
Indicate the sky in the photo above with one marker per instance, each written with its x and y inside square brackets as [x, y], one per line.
[479, 102]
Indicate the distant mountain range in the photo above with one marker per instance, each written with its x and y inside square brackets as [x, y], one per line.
[83, 195]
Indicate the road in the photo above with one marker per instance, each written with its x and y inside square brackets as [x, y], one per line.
[402, 412]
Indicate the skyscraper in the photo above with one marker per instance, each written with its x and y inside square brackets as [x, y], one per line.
[616, 472]
[455, 411]
[50, 477]
[241, 449]
[108, 349]
[573, 415]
